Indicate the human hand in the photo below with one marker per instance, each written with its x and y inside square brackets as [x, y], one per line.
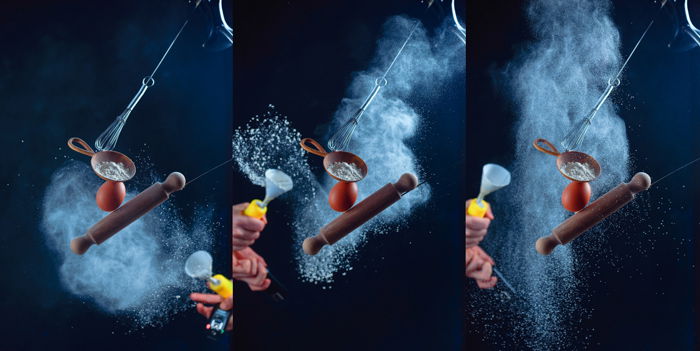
[245, 229]
[479, 266]
[213, 299]
[251, 268]
[477, 228]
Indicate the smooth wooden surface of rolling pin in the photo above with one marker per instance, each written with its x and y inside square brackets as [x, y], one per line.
[593, 214]
[128, 213]
[360, 213]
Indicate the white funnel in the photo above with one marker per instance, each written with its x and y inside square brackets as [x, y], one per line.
[199, 265]
[493, 177]
[276, 184]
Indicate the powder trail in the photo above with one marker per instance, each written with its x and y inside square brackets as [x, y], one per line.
[137, 274]
[384, 140]
[553, 82]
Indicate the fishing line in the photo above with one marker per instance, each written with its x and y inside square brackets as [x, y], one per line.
[676, 170]
[167, 51]
[503, 279]
[634, 49]
[417, 186]
[210, 170]
[403, 46]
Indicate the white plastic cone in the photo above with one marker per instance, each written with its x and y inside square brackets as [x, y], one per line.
[199, 265]
[493, 177]
[276, 184]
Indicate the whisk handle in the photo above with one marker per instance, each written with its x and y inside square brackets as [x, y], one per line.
[85, 149]
[317, 149]
[552, 150]
[145, 84]
[378, 86]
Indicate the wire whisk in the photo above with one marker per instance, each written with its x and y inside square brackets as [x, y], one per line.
[108, 139]
[574, 138]
[340, 140]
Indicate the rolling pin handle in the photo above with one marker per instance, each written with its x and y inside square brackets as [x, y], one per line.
[640, 182]
[81, 244]
[174, 182]
[313, 245]
[546, 244]
[406, 182]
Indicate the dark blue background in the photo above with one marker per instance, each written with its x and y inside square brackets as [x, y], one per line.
[645, 301]
[406, 289]
[68, 69]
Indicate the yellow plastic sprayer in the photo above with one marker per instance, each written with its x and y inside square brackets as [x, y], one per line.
[199, 266]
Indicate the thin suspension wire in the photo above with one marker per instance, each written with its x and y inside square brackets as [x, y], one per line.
[644, 34]
[504, 281]
[210, 170]
[676, 170]
[403, 46]
[167, 51]
[417, 186]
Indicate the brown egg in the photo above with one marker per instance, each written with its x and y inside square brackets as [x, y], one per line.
[110, 195]
[576, 196]
[342, 196]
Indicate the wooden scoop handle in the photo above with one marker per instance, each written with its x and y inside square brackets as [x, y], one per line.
[360, 214]
[128, 213]
[552, 150]
[85, 149]
[317, 149]
[593, 214]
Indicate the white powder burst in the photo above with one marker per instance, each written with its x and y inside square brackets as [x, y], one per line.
[390, 124]
[554, 81]
[135, 273]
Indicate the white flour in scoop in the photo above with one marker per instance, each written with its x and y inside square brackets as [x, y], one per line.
[348, 172]
[583, 172]
[116, 171]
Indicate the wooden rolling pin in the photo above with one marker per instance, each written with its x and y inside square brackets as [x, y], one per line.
[361, 213]
[141, 204]
[598, 210]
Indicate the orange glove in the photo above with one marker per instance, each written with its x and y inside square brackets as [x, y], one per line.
[245, 229]
[479, 266]
[213, 299]
[476, 228]
[249, 267]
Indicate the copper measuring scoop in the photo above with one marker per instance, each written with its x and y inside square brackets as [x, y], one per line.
[330, 158]
[103, 156]
[568, 156]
